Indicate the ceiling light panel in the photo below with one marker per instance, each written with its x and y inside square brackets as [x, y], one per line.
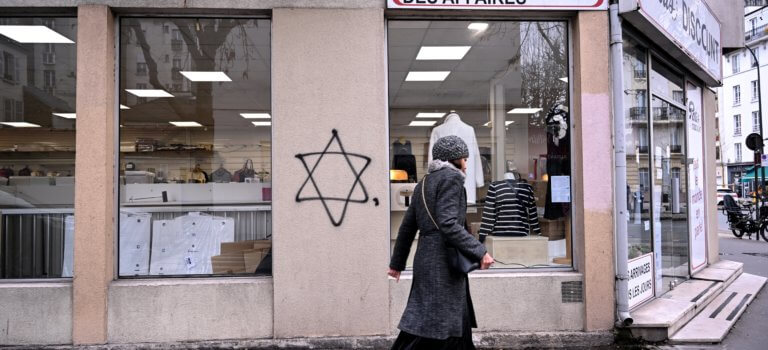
[478, 26]
[34, 35]
[186, 124]
[205, 76]
[442, 52]
[148, 93]
[124, 107]
[430, 115]
[427, 76]
[66, 115]
[20, 124]
[422, 123]
[261, 123]
[523, 110]
[256, 115]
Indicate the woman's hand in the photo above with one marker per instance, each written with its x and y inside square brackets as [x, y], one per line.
[394, 274]
[486, 262]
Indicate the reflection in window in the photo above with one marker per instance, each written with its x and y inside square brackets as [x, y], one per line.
[37, 150]
[195, 147]
[506, 94]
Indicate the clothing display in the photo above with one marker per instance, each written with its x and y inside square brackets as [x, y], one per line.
[510, 210]
[406, 162]
[402, 148]
[454, 126]
[558, 159]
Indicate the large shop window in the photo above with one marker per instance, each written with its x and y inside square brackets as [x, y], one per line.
[502, 86]
[37, 146]
[195, 147]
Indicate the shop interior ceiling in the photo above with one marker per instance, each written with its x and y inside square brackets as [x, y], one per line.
[467, 87]
[243, 55]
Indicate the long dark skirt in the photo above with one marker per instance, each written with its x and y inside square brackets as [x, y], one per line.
[408, 341]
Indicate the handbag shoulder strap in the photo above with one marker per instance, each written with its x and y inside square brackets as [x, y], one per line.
[424, 199]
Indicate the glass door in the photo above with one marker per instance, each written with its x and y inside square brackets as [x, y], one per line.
[668, 177]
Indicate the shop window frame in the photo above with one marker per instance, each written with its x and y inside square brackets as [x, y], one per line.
[577, 235]
[257, 15]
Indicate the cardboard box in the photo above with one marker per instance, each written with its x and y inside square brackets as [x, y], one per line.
[245, 261]
[554, 229]
[233, 247]
[540, 192]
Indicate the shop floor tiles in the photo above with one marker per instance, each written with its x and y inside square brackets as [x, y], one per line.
[713, 323]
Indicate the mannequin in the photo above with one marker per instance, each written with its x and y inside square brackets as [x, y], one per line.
[453, 125]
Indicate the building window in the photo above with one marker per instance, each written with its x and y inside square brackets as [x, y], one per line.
[717, 152]
[736, 95]
[196, 188]
[737, 125]
[523, 135]
[755, 93]
[755, 121]
[735, 63]
[49, 81]
[141, 69]
[37, 179]
[737, 152]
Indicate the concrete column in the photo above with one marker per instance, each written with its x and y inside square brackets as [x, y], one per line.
[710, 174]
[593, 168]
[94, 181]
[329, 73]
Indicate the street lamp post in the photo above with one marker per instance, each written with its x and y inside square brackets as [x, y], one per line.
[758, 166]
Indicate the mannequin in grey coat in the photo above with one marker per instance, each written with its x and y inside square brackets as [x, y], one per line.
[439, 300]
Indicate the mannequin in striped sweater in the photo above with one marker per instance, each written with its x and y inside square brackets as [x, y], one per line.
[510, 210]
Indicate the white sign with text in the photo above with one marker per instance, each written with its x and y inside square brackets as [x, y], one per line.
[499, 4]
[697, 217]
[692, 26]
[640, 284]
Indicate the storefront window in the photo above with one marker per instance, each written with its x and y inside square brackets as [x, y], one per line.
[195, 147]
[37, 146]
[637, 149]
[503, 88]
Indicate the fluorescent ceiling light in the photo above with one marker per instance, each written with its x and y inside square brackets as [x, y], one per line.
[20, 124]
[65, 115]
[478, 26]
[523, 110]
[430, 115]
[186, 124]
[506, 123]
[124, 107]
[565, 80]
[427, 76]
[34, 35]
[256, 115]
[205, 76]
[148, 93]
[422, 123]
[261, 123]
[442, 52]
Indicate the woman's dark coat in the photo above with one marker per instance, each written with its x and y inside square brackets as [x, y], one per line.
[439, 297]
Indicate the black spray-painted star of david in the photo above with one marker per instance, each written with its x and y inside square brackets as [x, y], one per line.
[354, 184]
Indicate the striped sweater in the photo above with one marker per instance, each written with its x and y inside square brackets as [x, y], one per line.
[508, 211]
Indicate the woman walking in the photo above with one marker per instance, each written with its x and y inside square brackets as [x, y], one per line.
[439, 313]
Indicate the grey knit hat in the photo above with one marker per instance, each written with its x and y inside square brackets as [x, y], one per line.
[449, 148]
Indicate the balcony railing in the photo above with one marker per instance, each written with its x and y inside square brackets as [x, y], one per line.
[637, 113]
[756, 33]
[676, 149]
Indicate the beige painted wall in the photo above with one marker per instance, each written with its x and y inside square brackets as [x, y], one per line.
[35, 313]
[593, 166]
[505, 302]
[710, 175]
[94, 164]
[190, 309]
[329, 72]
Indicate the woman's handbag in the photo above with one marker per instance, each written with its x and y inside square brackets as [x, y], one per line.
[457, 261]
[244, 172]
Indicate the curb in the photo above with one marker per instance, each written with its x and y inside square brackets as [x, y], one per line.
[485, 340]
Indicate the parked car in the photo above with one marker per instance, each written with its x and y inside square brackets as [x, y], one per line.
[721, 192]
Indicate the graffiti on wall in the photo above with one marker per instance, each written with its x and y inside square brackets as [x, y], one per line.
[312, 160]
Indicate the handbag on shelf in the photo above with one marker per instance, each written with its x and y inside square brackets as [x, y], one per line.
[244, 172]
[457, 261]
